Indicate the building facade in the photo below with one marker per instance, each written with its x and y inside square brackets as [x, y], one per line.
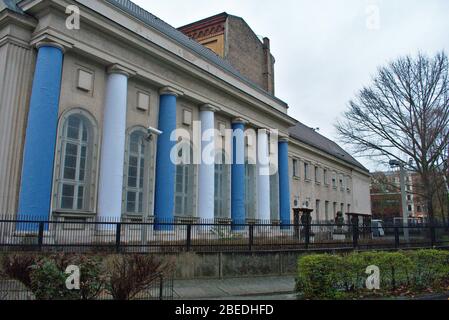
[88, 112]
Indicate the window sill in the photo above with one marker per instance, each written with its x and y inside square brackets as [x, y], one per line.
[72, 213]
[296, 178]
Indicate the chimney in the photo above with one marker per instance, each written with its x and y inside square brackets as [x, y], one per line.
[268, 72]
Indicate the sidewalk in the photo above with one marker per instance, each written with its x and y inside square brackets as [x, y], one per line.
[235, 288]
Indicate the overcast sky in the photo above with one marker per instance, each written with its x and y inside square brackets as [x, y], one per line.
[326, 50]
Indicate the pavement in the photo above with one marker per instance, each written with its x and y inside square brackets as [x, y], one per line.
[255, 288]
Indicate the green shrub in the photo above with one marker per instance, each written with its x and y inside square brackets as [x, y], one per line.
[429, 267]
[395, 269]
[92, 279]
[333, 276]
[48, 282]
[320, 276]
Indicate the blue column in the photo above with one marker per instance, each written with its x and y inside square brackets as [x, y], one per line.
[238, 212]
[165, 168]
[40, 139]
[284, 182]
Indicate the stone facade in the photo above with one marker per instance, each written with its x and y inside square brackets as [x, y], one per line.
[123, 72]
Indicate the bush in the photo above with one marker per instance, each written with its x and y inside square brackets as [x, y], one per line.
[19, 267]
[320, 276]
[395, 268]
[48, 282]
[129, 275]
[429, 267]
[333, 276]
[92, 280]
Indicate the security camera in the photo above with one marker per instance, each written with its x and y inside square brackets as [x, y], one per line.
[152, 131]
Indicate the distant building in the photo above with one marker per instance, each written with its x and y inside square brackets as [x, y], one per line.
[232, 39]
[386, 195]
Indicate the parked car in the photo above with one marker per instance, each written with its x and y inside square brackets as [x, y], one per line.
[377, 228]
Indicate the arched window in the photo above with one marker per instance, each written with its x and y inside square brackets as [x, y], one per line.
[76, 145]
[221, 186]
[184, 184]
[137, 169]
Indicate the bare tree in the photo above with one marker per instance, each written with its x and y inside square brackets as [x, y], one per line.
[402, 115]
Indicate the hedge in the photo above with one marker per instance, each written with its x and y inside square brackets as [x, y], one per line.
[121, 277]
[326, 276]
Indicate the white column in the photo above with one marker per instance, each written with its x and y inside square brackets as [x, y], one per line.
[206, 185]
[113, 144]
[263, 176]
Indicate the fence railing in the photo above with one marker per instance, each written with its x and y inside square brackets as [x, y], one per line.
[90, 235]
[160, 289]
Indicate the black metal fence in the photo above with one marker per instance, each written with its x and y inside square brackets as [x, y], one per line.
[145, 236]
[160, 289]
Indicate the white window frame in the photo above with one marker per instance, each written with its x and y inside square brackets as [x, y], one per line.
[221, 196]
[147, 189]
[90, 173]
[187, 195]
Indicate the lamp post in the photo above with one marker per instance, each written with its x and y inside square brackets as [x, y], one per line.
[401, 165]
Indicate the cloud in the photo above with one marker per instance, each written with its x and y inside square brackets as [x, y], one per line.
[324, 51]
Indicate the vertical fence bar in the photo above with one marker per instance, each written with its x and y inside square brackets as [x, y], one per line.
[307, 227]
[251, 237]
[118, 234]
[355, 235]
[40, 236]
[432, 235]
[189, 237]
[396, 237]
[161, 287]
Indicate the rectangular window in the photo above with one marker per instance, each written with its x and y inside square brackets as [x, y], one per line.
[326, 210]
[317, 209]
[335, 208]
[410, 207]
[250, 186]
[306, 171]
[342, 208]
[317, 174]
[325, 177]
[274, 197]
[334, 180]
[295, 167]
[349, 208]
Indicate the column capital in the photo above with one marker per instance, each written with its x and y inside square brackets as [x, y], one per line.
[171, 91]
[47, 40]
[283, 138]
[264, 130]
[209, 107]
[239, 121]
[118, 68]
